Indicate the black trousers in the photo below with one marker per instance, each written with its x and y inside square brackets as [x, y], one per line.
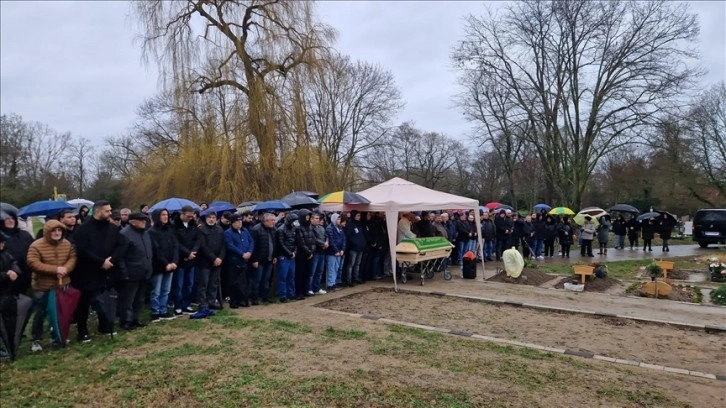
[91, 298]
[302, 275]
[130, 300]
[586, 248]
[240, 284]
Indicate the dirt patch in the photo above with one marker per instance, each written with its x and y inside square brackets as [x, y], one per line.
[680, 293]
[679, 274]
[621, 338]
[591, 285]
[529, 276]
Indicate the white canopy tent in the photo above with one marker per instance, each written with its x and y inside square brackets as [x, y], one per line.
[398, 195]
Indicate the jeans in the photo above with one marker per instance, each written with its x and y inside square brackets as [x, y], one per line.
[208, 286]
[316, 272]
[160, 288]
[538, 246]
[620, 241]
[488, 248]
[334, 263]
[285, 278]
[460, 250]
[352, 273]
[183, 287]
[260, 282]
[376, 264]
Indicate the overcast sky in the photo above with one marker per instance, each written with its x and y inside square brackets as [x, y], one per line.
[74, 66]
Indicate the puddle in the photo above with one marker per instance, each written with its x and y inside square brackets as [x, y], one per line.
[697, 277]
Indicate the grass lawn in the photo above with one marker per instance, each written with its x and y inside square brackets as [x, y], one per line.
[231, 361]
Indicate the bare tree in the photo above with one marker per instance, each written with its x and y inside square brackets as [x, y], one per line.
[80, 160]
[707, 128]
[585, 75]
[349, 106]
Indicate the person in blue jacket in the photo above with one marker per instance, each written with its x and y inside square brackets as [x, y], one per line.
[239, 245]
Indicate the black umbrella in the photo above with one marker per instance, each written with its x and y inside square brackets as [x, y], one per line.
[12, 322]
[299, 200]
[310, 194]
[624, 208]
[648, 216]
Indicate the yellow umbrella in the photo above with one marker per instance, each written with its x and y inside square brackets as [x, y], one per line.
[561, 211]
[343, 197]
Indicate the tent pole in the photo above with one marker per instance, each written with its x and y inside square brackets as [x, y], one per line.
[392, 226]
[477, 220]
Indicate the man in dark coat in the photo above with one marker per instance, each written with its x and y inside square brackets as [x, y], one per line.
[134, 271]
[17, 243]
[263, 258]
[99, 246]
[165, 262]
[239, 244]
[182, 285]
[305, 252]
[212, 252]
[356, 242]
[504, 227]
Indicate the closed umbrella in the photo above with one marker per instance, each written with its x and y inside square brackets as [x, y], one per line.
[274, 205]
[62, 302]
[343, 197]
[540, 207]
[561, 211]
[626, 208]
[173, 204]
[13, 321]
[44, 208]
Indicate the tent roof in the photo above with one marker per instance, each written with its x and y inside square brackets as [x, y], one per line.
[398, 194]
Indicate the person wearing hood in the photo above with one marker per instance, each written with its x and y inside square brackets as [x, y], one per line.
[9, 273]
[68, 219]
[336, 249]
[286, 238]
[212, 253]
[550, 236]
[620, 230]
[566, 236]
[135, 269]
[17, 243]
[587, 234]
[305, 252]
[165, 262]
[51, 260]
[263, 258]
[100, 246]
[356, 242]
[188, 235]
[240, 245]
[603, 234]
[83, 214]
[648, 232]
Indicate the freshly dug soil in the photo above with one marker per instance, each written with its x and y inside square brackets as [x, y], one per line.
[591, 285]
[531, 277]
[680, 293]
[678, 274]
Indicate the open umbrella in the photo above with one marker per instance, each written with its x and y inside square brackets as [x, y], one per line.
[343, 197]
[222, 206]
[492, 205]
[299, 200]
[561, 211]
[78, 202]
[9, 208]
[12, 324]
[62, 302]
[540, 207]
[626, 208]
[246, 206]
[483, 209]
[310, 194]
[648, 216]
[44, 208]
[173, 204]
[593, 211]
[504, 207]
[274, 205]
[579, 219]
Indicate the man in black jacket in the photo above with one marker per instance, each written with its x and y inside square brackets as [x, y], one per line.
[212, 252]
[166, 260]
[305, 253]
[182, 286]
[134, 271]
[286, 239]
[263, 258]
[99, 246]
[504, 228]
[17, 243]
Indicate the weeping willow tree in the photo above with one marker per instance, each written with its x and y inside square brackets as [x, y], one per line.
[233, 116]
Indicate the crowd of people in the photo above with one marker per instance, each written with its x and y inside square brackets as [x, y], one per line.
[189, 262]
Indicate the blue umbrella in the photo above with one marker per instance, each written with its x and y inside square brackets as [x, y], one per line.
[274, 205]
[44, 208]
[222, 206]
[540, 207]
[173, 204]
